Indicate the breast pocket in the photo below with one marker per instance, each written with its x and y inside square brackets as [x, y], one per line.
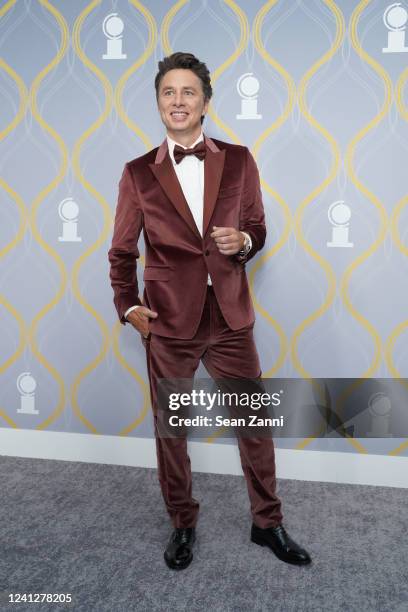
[159, 273]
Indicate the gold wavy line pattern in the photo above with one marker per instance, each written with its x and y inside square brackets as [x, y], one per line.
[394, 223]
[349, 160]
[6, 7]
[321, 261]
[113, 99]
[118, 94]
[401, 327]
[23, 216]
[35, 206]
[106, 213]
[261, 261]
[17, 119]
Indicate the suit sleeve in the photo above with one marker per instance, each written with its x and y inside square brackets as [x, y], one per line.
[252, 216]
[124, 252]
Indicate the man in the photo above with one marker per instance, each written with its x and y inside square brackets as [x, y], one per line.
[199, 204]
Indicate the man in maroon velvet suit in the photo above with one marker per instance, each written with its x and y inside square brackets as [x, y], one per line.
[198, 201]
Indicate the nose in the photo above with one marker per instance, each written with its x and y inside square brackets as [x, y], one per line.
[178, 98]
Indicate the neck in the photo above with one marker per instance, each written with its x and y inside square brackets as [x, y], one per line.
[185, 139]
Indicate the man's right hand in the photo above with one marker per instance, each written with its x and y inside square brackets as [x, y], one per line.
[139, 318]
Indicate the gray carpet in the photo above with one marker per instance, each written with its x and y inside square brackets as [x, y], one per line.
[99, 531]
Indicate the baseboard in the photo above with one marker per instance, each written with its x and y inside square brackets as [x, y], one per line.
[352, 468]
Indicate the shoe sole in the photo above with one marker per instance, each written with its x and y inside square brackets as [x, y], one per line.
[255, 540]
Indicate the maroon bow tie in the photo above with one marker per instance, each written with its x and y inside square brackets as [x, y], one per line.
[179, 153]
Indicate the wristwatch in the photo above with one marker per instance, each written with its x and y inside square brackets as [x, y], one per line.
[247, 246]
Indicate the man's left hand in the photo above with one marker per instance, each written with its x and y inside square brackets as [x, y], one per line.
[228, 240]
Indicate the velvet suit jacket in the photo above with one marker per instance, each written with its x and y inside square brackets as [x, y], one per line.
[177, 258]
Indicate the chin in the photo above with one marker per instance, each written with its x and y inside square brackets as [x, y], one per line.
[182, 125]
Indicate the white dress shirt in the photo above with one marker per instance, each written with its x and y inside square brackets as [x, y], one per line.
[190, 173]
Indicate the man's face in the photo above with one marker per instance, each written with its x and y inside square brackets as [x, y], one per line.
[181, 102]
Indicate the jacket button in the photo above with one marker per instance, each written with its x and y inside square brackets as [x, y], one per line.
[207, 252]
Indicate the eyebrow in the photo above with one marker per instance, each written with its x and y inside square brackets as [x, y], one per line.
[184, 87]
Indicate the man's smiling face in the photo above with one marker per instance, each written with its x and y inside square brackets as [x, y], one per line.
[181, 103]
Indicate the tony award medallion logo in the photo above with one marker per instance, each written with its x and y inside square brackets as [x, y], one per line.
[68, 212]
[112, 28]
[379, 407]
[339, 216]
[26, 385]
[395, 20]
[248, 87]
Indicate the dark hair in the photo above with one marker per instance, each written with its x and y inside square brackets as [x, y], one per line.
[188, 61]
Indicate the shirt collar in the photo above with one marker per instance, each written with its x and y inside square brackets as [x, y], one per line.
[171, 144]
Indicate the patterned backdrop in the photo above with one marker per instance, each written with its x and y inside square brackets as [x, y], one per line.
[316, 89]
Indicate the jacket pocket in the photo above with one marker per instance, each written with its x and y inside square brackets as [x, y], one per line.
[159, 273]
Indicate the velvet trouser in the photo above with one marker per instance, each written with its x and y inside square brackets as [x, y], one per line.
[225, 354]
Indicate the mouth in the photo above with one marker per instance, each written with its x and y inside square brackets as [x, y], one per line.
[179, 115]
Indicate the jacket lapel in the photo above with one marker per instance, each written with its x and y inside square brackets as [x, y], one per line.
[213, 167]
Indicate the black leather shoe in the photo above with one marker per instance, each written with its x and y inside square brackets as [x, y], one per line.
[281, 544]
[178, 554]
